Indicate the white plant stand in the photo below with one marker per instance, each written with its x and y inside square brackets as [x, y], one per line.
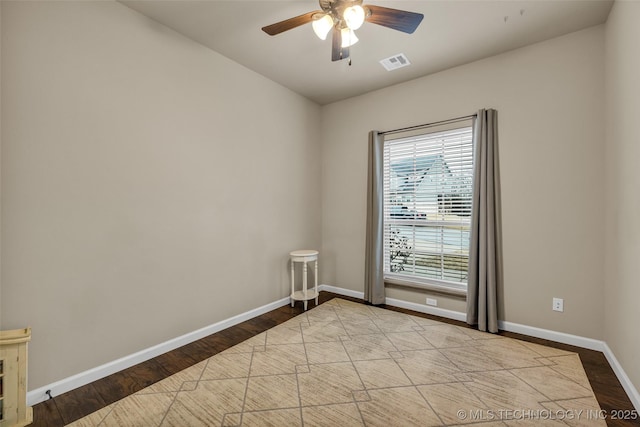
[304, 256]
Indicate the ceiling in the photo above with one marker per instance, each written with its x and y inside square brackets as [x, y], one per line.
[453, 32]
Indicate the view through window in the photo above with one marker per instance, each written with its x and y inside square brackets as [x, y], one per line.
[427, 206]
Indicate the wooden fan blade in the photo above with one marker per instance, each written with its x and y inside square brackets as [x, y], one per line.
[400, 20]
[288, 24]
[337, 51]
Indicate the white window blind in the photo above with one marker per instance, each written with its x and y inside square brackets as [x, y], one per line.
[427, 207]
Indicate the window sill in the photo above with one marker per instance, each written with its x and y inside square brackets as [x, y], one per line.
[442, 289]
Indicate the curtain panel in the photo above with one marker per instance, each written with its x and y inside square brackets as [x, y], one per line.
[485, 250]
[374, 274]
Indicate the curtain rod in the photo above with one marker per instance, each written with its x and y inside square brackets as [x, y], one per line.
[441, 122]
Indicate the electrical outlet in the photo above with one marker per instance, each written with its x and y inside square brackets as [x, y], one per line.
[432, 301]
[558, 304]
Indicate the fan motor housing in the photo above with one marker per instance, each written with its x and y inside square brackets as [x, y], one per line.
[335, 8]
[337, 5]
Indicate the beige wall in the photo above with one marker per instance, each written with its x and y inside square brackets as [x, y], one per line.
[1, 327]
[550, 102]
[138, 205]
[150, 186]
[622, 230]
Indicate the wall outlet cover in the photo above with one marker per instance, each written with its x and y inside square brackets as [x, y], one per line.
[558, 304]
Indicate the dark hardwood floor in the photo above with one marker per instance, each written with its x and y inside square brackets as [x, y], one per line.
[68, 407]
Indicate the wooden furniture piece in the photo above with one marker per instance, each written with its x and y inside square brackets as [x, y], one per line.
[304, 256]
[14, 411]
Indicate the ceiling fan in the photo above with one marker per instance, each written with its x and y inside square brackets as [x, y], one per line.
[342, 17]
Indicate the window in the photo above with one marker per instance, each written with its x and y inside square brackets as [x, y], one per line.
[427, 207]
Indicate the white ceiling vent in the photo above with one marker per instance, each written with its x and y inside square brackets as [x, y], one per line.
[394, 62]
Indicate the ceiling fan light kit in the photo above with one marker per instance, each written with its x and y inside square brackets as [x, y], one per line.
[345, 16]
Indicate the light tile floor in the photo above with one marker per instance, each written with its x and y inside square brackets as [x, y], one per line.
[348, 364]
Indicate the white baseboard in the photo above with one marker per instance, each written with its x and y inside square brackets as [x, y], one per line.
[341, 291]
[547, 334]
[457, 315]
[421, 308]
[449, 314]
[531, 331]
[628, 386]
[67, 384]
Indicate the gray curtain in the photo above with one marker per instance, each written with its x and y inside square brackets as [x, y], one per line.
[374, 275]
[485, 251]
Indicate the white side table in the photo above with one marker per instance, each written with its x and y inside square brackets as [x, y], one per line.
[304, 256]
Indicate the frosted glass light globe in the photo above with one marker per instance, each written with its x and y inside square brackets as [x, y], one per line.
[322, 26]
[354, 16]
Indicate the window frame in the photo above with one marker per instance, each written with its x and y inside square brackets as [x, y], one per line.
[440, 285]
